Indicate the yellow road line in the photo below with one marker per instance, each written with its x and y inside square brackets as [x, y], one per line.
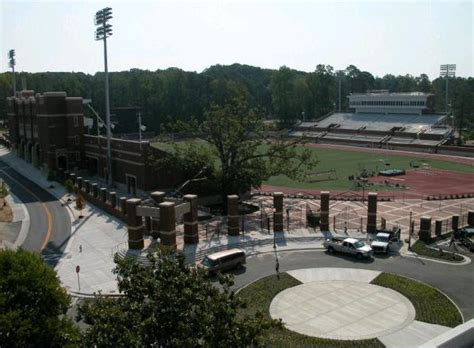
[45, 207]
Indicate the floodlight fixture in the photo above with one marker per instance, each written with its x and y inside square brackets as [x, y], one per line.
[12, 63]
[447, 71]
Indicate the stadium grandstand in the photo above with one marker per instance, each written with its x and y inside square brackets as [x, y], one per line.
[379, 118]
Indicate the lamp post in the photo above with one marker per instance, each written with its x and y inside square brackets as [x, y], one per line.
[103, 31]
[447, 70]
[339, 75]
[11, 56]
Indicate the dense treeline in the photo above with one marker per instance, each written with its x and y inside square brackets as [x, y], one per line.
[285, 94]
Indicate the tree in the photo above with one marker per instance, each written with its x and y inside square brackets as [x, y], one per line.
[168, 303]
[282, 89]
[247, 152]
[32, 303]
[80, 203]
[69, 186]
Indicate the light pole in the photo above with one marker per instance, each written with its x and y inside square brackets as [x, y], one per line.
[339, 75]
[447, 70]
[11, 56]
[103, 31]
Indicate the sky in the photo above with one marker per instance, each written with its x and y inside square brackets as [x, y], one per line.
[382, 37]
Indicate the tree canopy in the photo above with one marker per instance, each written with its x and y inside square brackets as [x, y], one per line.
[283, 94]
[32, 303]
[168, 303]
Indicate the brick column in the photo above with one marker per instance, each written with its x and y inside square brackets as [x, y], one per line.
[103, 194]
[155, 228]
[72, 176]
[158, 196]
[113, 199]
[324, 223]
[87, 186]
[425, 229]
[135, 225]
[147, 224]
[233, 215]
[191, 235]
[95, 190]
[278, 213]
[80, 183]
[455, 222]
[438, 227]
[123, 205]
[168, 224]
[470, 218]
[372, 212]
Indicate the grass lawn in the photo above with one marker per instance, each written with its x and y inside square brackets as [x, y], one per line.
[260, 294]
[346, 163]
[430, 304]
[421, 248]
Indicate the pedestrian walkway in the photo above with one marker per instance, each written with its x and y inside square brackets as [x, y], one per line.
[13, 234]
[340, 303]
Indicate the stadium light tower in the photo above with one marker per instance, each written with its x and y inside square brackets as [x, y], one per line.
[11, 56]
[103, 31]
[447, 70]
[339, 75]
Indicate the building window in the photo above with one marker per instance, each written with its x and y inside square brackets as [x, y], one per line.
[76, 121]
[76, 139]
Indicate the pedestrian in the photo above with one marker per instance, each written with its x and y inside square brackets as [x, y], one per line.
[80, 248]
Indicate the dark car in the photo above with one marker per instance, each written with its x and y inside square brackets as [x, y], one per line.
[466, 237]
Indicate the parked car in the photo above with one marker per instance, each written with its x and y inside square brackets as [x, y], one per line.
[223, 261]
[381, 243]
[466, 237]
[383, 240]
[350, 246]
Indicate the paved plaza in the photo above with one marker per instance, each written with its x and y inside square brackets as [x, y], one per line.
[340, 303]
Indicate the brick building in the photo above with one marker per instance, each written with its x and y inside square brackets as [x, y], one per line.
[47, 130]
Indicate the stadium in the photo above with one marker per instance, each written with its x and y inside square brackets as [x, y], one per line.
[382, 119]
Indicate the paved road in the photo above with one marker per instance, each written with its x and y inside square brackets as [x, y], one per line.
[455, 281]
[50, 225]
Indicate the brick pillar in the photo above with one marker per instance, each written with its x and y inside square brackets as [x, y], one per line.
[87, 186]
[425, 229]
[123, 205]
[278, 213]
[324, 223]
[113, 199]
[455, 223]
[168, 224]
[233, 215]
[470, 218]
[135, 225]
[191, 235]
[72, 176]
[158, 196]
[372, 212]
[103, 194]
[95, 190]
[80, 182]
[438, 227]
[147, 224]
[155, 228]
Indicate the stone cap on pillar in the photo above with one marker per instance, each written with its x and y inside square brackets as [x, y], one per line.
[134, 201]
[277, 193]
[372, 194]
[190, 197]
[233, 197]
[324, 192]
[167, 204]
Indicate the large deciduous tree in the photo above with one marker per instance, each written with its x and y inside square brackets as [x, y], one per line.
[32, 303]
[247, 151]
[168, 303]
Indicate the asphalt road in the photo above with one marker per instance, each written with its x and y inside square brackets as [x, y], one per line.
[50, 225]
[455, 281]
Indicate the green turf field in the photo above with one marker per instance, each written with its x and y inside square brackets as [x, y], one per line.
[346, 163]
